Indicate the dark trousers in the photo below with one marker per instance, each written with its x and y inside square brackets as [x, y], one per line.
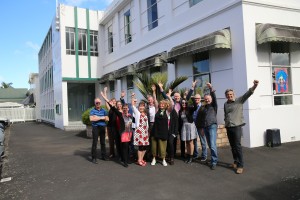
[111, 140]
[171, 146]
[98, 131]
[234, 135]
[182, 145]
[124, 146]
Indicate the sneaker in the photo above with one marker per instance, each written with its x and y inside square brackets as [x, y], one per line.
[203, 159]
[104, 158]
[164, 163]
[213, 167]
[94, 160]
[239, 170]
[153, 161]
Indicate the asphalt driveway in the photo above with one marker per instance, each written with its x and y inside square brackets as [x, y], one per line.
[48, 163]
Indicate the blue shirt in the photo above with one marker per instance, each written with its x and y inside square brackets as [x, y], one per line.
[99, 113]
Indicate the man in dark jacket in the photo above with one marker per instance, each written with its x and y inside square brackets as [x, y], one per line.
[208, 124]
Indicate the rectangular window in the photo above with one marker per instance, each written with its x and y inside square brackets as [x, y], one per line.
[70, 41]
[112, 89]
[110, 39]
[281, 74]
[94, 43]
[82, 42]
[201, 72]
[152, 14]
[127, 27]
[194, 2]
[129, 81]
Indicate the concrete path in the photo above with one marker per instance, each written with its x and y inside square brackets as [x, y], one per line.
[48, 163]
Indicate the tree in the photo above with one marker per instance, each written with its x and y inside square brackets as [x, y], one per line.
[5, 85]
[145, 82]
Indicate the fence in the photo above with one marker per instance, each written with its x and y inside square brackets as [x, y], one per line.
[18, 114]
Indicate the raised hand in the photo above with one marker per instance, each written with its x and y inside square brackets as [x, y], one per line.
[194, 84]
[123, 94]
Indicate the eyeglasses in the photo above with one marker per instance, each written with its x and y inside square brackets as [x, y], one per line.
[197, 98]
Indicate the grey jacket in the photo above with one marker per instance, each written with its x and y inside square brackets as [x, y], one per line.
[233, 111]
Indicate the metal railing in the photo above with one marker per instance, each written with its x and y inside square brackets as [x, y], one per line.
[18, 114]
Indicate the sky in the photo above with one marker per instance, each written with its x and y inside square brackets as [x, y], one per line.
[24, 25]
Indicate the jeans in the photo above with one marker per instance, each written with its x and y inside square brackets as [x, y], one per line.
[234, 136]
[203, 143]
[211, 136]
[98, 131]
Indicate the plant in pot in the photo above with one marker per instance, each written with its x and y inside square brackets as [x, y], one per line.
[85, 118]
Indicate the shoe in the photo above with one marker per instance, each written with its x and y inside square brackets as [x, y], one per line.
[94, 160]
[171, 161]
[164, 163]
[189, 161]
[104, 158]
[234, 166]
[203, 159]
[111, 156]
[140, 163]
[153, 161]
[213, 167]
[125, 165]
[239, 170]
[144, 162]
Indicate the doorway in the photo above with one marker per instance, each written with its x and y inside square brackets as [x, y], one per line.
[80, 97]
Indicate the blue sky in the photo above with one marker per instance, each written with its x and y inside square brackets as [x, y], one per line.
[24, 25]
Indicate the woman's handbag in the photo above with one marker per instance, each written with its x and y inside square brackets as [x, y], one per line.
[126, 136]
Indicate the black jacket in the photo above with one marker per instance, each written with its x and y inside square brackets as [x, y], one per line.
[208, 113]
[118, 114]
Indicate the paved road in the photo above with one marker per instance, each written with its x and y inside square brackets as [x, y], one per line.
[48, 163]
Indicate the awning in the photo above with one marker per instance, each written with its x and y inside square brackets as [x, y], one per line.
[157, 60]
[107, 77]
[277, 33]
[124, 71]
[218, 39]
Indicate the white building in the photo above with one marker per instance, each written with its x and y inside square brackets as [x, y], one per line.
[229, 43]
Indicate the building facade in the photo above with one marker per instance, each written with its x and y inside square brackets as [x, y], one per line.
[228, 43]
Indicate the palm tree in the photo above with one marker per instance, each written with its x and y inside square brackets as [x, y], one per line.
[145, 82]
[6, 85]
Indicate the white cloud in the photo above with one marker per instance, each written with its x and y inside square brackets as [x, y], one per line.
[33, 46]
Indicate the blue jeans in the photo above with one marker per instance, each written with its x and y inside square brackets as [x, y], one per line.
[211, 136]
[203, 144]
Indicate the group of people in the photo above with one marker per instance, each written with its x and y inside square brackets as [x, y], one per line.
[154, 127]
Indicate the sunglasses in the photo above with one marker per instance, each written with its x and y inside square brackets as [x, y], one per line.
[97, 103]
[183, 102]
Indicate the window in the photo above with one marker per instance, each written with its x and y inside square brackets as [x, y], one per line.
[281, 74]
[127, 27]
[94, 43]
[70, 41]
[194, 2]
[152, 14]
[130, 86]
[112, 89]
[110, 39]
[154, 70]
[82, 42]
[201, 72]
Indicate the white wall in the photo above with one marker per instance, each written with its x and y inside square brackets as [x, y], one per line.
[262, 113]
